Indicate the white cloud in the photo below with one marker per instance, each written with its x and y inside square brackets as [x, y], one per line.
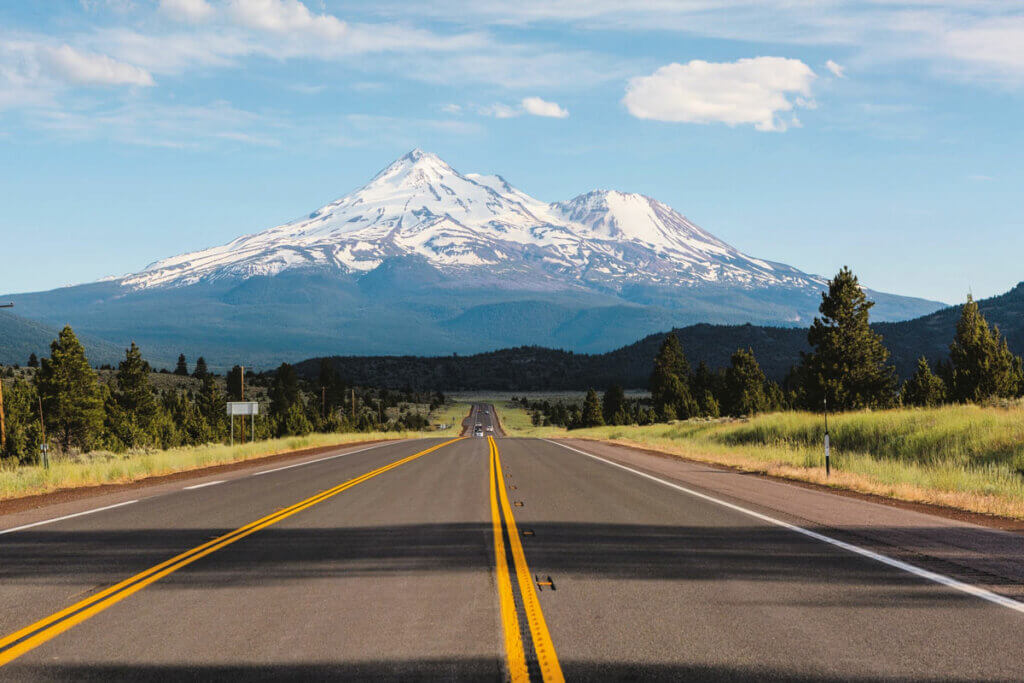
[747, 91]
[192, 11]
[500, 111]
[538, 107]
[286, 17]
[534, 106]
[837, 70]
[83, 68]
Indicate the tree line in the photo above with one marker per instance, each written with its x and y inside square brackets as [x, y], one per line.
[66, 404]
[848, 368]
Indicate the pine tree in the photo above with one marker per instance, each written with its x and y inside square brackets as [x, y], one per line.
[210, 403]
[849, 364]
[284, 395]
[201, 371]
[33, 361]
[135, 397]
[670, 382]
[590, 414]
[613, 405]
[744, 392]
[22, 422]
[924, 388]
[182, 367]
[70, 393]
[981, 364]
[234, 382]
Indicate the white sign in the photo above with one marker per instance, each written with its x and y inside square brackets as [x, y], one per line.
[243, 408]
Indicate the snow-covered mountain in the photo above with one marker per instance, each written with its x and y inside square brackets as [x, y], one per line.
[421, 206]
[426, 260]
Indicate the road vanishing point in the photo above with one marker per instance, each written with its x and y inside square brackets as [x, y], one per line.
[479, 558]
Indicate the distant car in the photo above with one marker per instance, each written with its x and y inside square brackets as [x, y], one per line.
[479, 425]
[486, 412]
[478, 431]
[490, 428]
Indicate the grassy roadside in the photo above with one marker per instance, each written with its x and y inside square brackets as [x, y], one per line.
[964, 457]
[120, 468]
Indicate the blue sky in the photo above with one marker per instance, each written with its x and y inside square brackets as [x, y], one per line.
[883, 135]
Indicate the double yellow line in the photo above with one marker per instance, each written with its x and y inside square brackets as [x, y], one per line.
[34, 635]
[547, 659]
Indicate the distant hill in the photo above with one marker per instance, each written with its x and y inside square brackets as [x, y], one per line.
[20, 337]
[532, 368]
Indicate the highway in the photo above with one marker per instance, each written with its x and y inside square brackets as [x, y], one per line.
[474, 558]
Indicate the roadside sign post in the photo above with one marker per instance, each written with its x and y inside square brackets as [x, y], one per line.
[243, 408]
[827, 465]
[44, 450]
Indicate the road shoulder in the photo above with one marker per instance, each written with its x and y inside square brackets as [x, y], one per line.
[988, 557]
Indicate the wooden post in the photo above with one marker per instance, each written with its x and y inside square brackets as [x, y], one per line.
[323, 403]
[242, 431]
[3, 426]
[353, 406]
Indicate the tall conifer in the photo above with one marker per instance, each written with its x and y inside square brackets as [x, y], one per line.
[849, 364]
[70, 393]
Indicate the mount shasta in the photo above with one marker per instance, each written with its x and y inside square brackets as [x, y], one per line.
[426, 260]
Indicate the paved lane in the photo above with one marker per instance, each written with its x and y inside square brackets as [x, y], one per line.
[400, 577]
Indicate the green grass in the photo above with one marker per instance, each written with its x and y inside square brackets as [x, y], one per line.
[967, 457]
[112, 468]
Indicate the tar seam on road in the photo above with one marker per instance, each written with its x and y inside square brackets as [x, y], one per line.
[30, 637]
[940, 579]
[547, 658]
[61, 519]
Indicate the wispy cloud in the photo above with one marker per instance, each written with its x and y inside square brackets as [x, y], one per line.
[837, 70]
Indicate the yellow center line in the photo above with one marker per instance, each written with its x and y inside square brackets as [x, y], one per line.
[510, 621]
[547, 658]
[48, 628]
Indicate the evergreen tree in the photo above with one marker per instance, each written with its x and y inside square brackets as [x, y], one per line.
[849, 364]
[211, 406]
[135, 397]
[33, 361]
[201, 371]
[924, 388]
[591, 413]
[670, 382]
[744, 392]
[234, 381]
[706, 387]
[981, 364]
[70, 393]
[614, 405]
[21, 414]
[284, 395]
[182, 367]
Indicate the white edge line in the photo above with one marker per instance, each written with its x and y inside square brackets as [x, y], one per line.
[199, 486]
[941, 579]
[60, 519]
[329, 457]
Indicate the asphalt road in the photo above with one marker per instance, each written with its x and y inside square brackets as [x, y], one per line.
[482, 559]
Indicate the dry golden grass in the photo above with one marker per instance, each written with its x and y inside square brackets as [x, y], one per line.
[964, 457]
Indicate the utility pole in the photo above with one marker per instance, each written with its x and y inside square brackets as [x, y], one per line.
[353, 405]
[3, 426]
[242, 432]
[323, 403]
[44, 447]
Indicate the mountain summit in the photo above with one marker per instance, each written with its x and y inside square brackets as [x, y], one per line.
[424, 259]
[479, 226]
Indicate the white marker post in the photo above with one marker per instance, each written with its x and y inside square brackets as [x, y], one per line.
[827, 467]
